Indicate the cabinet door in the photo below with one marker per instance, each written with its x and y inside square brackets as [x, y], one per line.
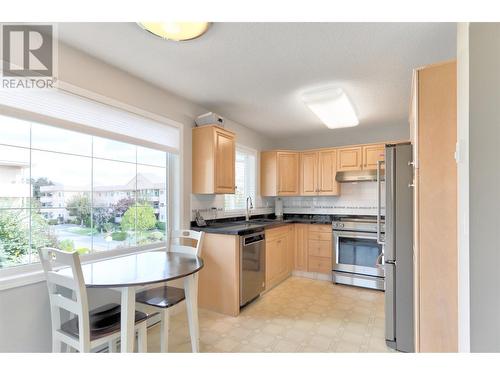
[309, 173]
[300, 258]
[327, 170]
[290, 250]
[271, 263]
[349, 159]
[224, 162]
[371, 155]
[276, 261]
[288, 173]
[283, 258]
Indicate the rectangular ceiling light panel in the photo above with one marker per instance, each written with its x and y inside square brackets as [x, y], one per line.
[333, 108]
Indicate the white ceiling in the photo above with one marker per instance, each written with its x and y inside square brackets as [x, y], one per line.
[254, 73]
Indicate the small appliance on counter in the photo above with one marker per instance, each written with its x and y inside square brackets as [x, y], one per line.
[209, 118]
[200, 221]
[278, 208]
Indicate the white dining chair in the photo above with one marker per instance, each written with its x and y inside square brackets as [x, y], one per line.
[164, 297]
[87, 330]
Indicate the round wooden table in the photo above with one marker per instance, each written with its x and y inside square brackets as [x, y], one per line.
[128, 272]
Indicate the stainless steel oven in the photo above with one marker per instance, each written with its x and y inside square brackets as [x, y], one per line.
[357, 255]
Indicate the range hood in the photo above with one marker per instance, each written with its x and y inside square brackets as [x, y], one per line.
[358, 176]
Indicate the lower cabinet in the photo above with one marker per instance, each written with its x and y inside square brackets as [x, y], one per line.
[300, 251]
[313, 251]
[219, 279]
[320, 248]
[297, 247]
[280, 243]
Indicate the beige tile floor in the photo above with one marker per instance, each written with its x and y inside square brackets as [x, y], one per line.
[299, 315]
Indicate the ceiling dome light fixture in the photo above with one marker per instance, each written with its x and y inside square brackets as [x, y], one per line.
[332, 106]
[177, 31]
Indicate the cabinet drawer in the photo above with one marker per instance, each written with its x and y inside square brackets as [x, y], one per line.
[277, 232]
[323, 228]
[320, 248]
[319, 264]
[320, 236]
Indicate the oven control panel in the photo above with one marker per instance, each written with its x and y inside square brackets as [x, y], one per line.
[364, 224]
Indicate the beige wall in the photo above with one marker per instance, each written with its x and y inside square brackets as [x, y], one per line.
[348, 136]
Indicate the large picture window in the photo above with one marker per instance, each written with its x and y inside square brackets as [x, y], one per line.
[245, 177]
[74, 191]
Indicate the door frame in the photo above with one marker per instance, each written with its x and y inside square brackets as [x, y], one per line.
[462, 159]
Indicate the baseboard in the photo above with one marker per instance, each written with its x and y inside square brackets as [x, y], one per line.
[313, 275]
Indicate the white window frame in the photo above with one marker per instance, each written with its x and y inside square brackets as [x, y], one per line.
[255, 154]
[26, 274]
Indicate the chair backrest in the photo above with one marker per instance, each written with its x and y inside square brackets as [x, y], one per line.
[77, 302]
[181, 241]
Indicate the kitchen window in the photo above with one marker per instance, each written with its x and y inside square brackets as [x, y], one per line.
[245, 178]
[76, 191]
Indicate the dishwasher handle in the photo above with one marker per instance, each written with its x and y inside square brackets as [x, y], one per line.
[253, 238]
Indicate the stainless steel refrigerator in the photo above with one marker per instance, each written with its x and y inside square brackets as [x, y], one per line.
[398, 246]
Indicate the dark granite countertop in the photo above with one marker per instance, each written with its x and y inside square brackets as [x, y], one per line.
[238, 226]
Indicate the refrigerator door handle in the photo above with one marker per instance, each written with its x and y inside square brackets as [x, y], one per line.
[380, 261]
[379, 203]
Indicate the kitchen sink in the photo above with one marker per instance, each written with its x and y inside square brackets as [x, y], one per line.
[240, 226]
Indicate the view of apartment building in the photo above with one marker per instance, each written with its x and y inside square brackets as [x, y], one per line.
[145, 188]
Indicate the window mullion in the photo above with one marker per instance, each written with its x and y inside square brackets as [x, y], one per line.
[92, 194]
[30, 209]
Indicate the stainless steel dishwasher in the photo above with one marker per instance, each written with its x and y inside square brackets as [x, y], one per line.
[252, 266]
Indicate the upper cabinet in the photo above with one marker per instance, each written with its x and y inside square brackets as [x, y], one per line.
[372, 154]
[279, 173]
[317, 173]
[313, 172]
[309, 173]
[349, 159]
[214, 151]
[360, 157]
[327, 170]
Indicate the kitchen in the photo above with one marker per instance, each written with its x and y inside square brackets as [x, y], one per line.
[248, 256]
[318, 189]
[342, 214]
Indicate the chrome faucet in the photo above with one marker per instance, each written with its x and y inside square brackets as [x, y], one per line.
[249, 207]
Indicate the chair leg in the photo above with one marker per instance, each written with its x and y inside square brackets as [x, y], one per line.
[191, 291]
[164, 330]
[142, 338]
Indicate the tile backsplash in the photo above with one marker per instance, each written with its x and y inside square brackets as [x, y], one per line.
[357, 198]
[211, 206]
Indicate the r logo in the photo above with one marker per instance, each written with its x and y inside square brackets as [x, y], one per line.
[27, 50]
